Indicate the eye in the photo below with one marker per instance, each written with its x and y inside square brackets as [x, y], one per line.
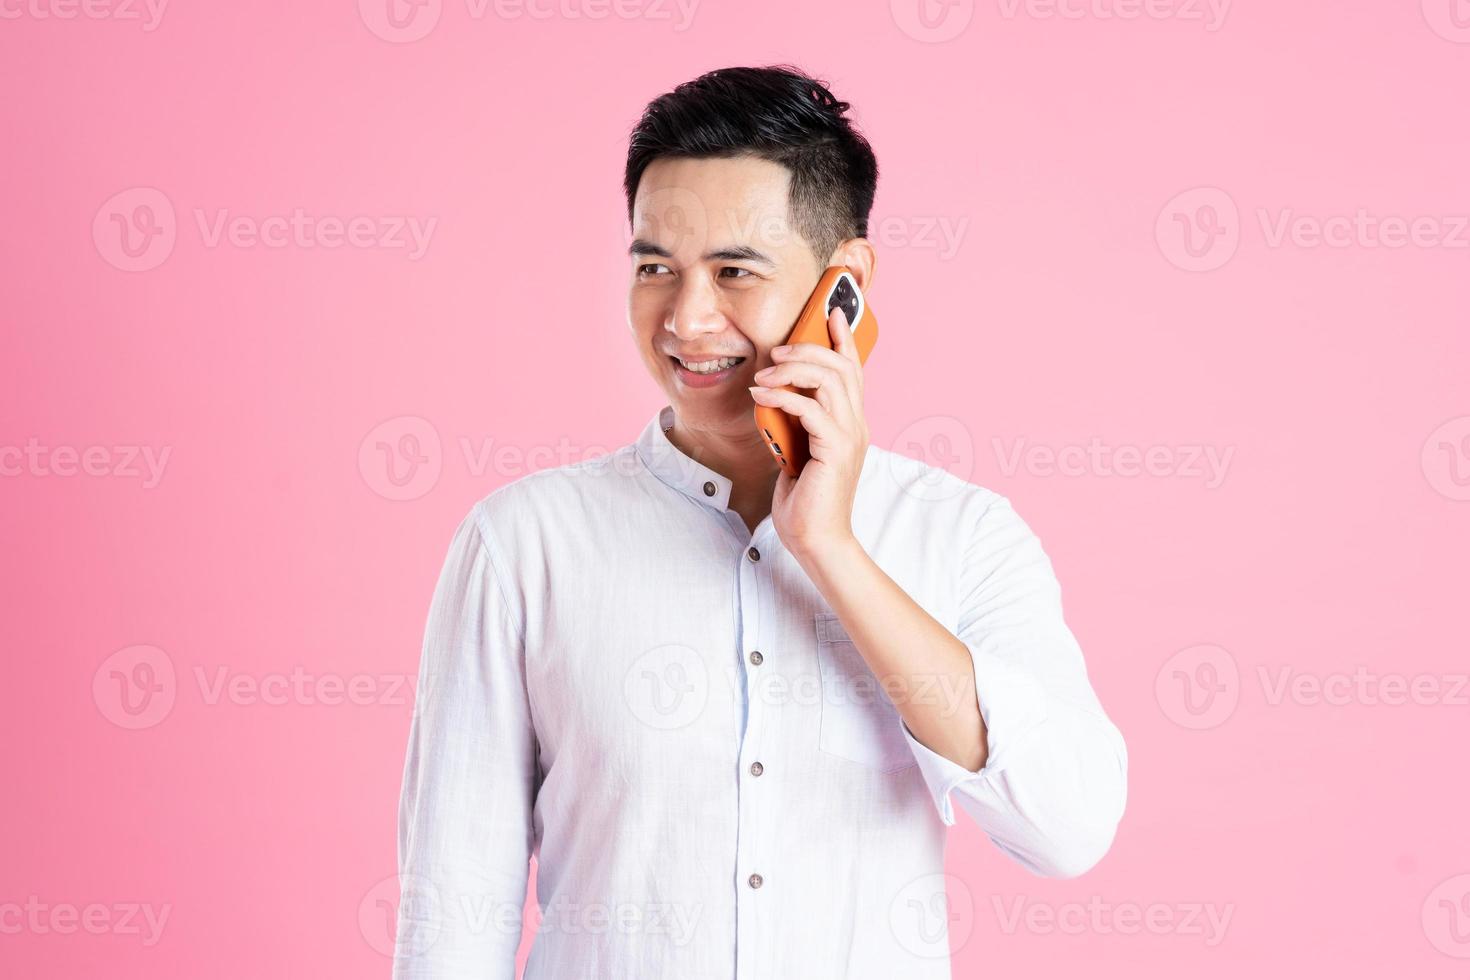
[735, 268]
[643, 270]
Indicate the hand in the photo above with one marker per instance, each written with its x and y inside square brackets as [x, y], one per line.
[814, 511]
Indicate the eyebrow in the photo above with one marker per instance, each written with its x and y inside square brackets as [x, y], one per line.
[735, 253]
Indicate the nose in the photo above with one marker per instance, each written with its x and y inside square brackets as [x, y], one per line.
[696, 310]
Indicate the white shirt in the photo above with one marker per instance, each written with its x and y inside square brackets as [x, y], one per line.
[619, 678]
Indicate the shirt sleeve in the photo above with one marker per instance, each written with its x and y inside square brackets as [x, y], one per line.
[1054, 785]
[465, 832]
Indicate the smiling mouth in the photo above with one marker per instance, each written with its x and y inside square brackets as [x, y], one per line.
[708, 367]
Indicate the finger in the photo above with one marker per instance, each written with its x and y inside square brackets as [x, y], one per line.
[815, 419]
[841, 332]
[783, 485]
[849, 367]
[831, 386]
[846, 348]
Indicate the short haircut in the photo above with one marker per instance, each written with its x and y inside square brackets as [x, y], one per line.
[776, 113]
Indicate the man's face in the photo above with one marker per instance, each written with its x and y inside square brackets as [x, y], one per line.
[717, 271]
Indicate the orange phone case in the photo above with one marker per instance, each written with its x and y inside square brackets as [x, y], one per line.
[784, 433]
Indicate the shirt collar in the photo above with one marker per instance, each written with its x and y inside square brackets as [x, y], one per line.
[684, 473]
[691, 477]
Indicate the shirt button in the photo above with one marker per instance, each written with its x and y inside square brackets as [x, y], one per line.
[709, 489]
[756, 658]
[756, 881]
[753, 555]
[756, 768]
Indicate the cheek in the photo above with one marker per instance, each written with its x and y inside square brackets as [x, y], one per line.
[765, 318]
[645, 313]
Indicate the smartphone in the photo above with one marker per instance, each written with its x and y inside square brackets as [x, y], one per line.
[784, 433]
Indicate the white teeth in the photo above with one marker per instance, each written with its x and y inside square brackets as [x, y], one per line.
[710, 367]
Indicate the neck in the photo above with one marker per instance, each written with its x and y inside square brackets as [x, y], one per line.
[742, 459]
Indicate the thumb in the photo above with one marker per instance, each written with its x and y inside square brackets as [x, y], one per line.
[784, 481]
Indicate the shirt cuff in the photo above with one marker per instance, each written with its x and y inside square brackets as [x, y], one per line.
[1012, 704]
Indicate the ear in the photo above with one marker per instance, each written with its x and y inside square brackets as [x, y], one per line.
[858, 257]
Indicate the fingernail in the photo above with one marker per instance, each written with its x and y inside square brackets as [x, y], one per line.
[757, 389]
[781, 350]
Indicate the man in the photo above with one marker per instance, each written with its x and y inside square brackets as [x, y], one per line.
[733, 713]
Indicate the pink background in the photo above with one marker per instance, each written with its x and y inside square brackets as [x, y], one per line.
[1070, 308]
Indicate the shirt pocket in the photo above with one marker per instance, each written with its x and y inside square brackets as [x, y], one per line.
[858, 721]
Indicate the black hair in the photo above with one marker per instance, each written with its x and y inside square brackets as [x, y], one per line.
[777, 113]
